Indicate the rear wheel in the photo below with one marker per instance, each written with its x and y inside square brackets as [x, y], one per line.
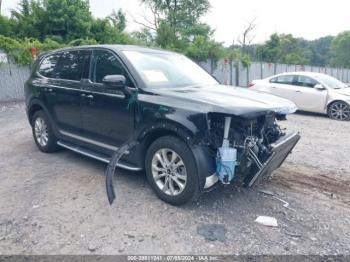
[171, 170]
[43, 134]
[339, 111]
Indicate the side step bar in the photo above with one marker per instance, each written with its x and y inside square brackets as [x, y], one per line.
[89, 153]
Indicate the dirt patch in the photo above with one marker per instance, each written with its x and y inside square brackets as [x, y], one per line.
[304, 178]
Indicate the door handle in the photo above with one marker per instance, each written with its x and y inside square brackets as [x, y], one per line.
[87, 96]
[50, 91]
[298, 91]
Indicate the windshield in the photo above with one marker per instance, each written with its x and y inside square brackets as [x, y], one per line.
[331, 82]
[168, 70]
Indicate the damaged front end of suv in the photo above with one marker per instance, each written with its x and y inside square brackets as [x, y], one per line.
[235, 130]
[248, 148]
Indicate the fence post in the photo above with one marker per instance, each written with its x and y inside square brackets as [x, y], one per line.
[231, 72]
[237, 74]
[248, 68]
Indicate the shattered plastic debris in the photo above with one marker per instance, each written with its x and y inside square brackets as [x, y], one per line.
[270, 193]
[266, 221]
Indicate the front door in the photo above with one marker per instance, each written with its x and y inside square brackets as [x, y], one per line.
[308, 98]
[106, 118]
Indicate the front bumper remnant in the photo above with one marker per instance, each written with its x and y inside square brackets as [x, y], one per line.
[280, 150]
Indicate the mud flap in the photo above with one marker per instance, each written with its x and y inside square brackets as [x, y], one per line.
[110, 170]
[280, 150]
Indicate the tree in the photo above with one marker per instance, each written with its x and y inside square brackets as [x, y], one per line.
[29, 19]
[70, 19]
[174, 20]
[144, 37]
[118, 20]
[6, 27]
[282, 48]
[175, 25]
[110, 30]
[247, 37]
[340, 50]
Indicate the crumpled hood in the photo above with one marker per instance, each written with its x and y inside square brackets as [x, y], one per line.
[229, 99]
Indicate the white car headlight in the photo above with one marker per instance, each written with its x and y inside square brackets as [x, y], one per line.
[290, 109]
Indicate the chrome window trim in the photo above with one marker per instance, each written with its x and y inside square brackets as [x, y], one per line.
[85, 91]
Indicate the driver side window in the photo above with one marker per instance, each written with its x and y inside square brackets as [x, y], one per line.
[106, 63]
[306, 81]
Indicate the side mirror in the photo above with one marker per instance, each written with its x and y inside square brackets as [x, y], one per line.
[319, 87]
[114, 81]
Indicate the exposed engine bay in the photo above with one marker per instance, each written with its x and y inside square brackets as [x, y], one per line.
[248, 146]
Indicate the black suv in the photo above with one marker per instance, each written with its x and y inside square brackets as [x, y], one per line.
[93, 99]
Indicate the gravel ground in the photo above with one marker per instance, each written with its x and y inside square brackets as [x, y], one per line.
[56, 203]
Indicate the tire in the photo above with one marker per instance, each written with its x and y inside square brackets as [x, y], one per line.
[175, 194]
[44, 138]
[339, 110]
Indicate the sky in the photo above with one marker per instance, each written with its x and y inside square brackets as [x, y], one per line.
[309, 19]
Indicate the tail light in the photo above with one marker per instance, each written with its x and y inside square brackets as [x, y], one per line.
[251, 85]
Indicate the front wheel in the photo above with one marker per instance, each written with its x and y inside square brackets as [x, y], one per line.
[339, 111]
[171, 170]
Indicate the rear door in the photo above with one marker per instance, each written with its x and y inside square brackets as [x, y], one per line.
[283, 86]
[106, 118]
[66, 92]
[47, 81]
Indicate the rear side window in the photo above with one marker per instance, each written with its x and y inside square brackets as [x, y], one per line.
[70, 66]
[287, 80]
[48, 65]
[105, 63]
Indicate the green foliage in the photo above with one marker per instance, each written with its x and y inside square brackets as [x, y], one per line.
[29, 19]
[238, 57]
[283, 48]
[118, 20]
[316, 52]
[340, 50]
[143, 37]
[6, 26]
[20, 51]
[80, 41]
[51, 24]
[177, 28]
[69, 18]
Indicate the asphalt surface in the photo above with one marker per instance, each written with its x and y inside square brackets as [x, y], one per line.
[57, 204]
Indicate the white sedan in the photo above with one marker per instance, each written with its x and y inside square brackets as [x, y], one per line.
[312, 92]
